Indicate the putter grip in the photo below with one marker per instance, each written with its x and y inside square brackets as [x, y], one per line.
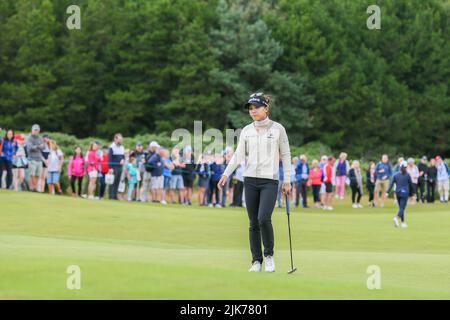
[288, 208]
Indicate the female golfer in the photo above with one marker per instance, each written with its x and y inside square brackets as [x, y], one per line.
[261, 144]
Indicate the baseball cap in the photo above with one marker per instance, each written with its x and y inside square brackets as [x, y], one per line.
[35, 127]
[403, 164]
[424, 158]
[138, 144]
[438, 158]
[258, 100]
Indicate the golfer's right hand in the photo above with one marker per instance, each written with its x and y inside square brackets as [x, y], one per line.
[222, 182]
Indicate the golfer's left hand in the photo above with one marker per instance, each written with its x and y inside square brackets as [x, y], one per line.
[286, 188]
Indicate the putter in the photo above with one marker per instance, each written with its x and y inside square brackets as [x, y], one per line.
[288, 213]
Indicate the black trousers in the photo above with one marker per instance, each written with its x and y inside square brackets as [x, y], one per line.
[102, 179]
[415, 187]
[431, 188]
[422, 184]
[213, 189]
[260, 199]
[9, 174]
[113, 189]
[302, 188]
[356, 192]
[237, 193]
[402, 202]
[316, 193]
[371, 189]
[79, 181]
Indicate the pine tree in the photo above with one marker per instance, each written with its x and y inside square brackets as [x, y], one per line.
[247, 52]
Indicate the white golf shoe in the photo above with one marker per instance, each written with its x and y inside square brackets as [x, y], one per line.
[256, 267]
[396, 223]
[269, 264]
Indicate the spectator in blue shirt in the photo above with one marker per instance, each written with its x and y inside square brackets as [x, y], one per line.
[383, 173]
[7, 149]
[157, 181]
[217, 169]
[302, 176]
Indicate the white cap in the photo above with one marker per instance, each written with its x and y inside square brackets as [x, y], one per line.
[154, 144]
[403, 164]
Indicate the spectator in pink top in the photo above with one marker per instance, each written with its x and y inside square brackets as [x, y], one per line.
[315, 180]
[76, 170]
[93, 161]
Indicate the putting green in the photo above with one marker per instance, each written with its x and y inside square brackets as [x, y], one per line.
[149, 251]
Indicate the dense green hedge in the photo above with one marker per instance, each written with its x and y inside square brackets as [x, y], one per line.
[67, 143]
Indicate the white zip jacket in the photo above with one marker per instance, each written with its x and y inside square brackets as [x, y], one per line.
[262, 150]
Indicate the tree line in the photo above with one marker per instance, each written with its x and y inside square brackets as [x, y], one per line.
[139, 66]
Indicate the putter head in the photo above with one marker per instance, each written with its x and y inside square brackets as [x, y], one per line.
[292, 270]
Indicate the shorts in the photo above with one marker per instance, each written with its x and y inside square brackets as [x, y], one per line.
[158, 182]
[53, 177]
[203, 182]
[176, 182]
[93, 174]
[188, 181]
[167, 182]
[328, 187]
[381, 185]
[35, 168]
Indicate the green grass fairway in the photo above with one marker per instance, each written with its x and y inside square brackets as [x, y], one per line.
[144, 251]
